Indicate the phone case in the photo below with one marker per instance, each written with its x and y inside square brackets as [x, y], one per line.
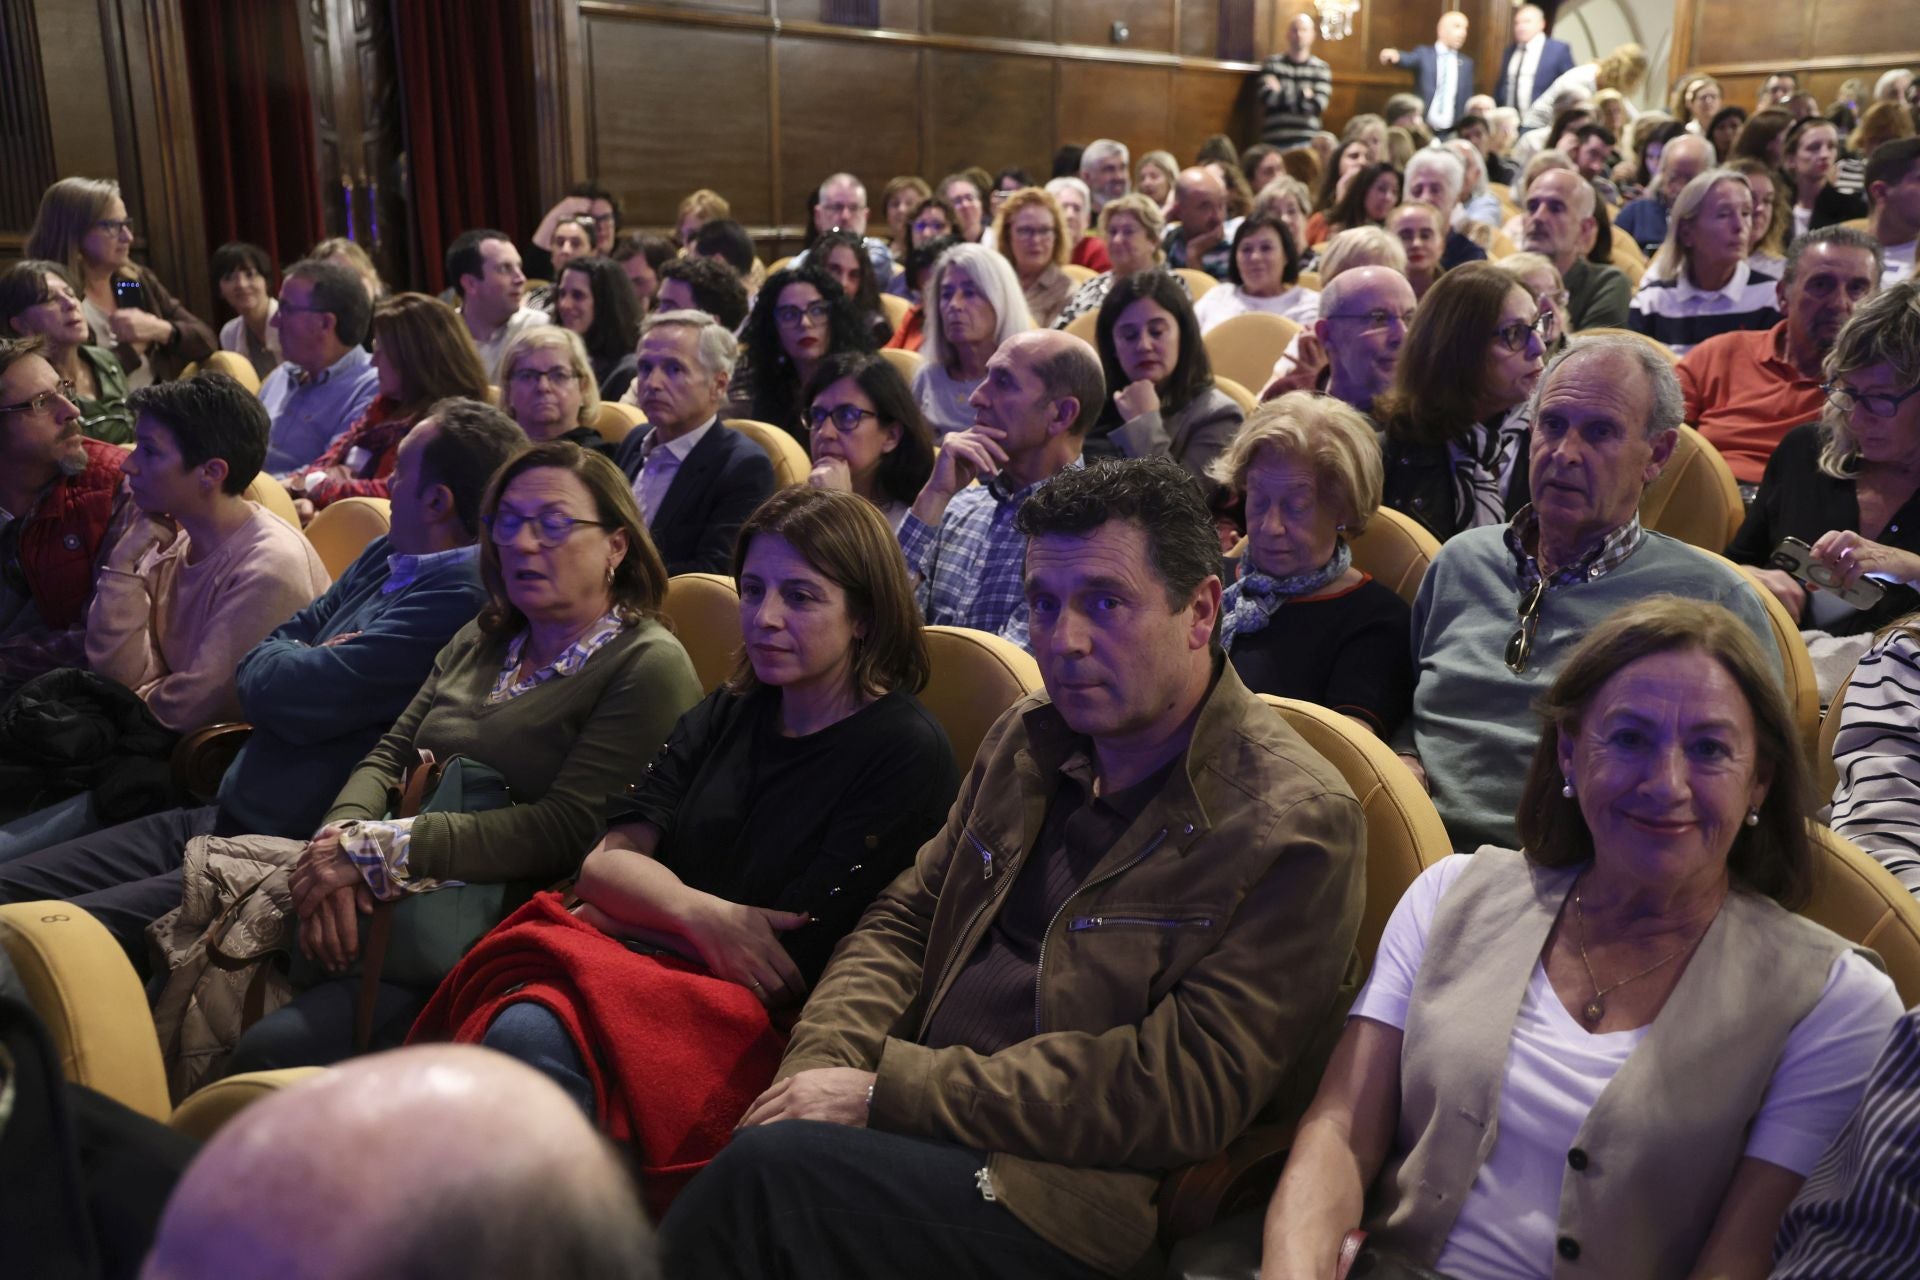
[1796, 558]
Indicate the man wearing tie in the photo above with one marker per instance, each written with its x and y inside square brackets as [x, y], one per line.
[1442, 75]
[1532, 62]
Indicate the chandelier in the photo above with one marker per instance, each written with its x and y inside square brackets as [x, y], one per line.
[1336, 18]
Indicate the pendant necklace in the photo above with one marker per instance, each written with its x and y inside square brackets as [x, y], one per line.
[1596, 1009]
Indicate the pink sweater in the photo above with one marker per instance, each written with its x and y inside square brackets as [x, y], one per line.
[175, 632]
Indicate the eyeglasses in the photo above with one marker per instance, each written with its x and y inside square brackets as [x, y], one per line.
[115, 227]
[1033, 233]
[40, 403]
[790, 316]
[844, 417]
[1514, 336]
[1843, 397]
[550, 528]
[555, 378]
[1378, 318]
[601, 219]
[1520, 646]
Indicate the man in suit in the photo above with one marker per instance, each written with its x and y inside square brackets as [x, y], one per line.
[696, 481]
[1532, 61]
[1442, 75]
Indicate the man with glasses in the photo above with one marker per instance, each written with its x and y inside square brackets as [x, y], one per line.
[696, 481]
[1503, 605]
[1746, 390]
[1364, 314]
[841, 205]
[326, 379]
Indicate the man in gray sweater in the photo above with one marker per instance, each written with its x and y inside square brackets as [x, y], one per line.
[1503, 605]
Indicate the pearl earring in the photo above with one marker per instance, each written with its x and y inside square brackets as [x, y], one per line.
[1566, 788]
[1753, 817]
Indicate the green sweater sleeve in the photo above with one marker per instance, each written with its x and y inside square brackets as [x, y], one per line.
[365, 794]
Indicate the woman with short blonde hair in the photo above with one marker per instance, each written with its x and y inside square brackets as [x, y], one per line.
[547, 386]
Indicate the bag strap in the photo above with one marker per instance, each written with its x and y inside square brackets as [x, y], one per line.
[405, 802]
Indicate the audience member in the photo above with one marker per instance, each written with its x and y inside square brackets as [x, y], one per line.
[1670, 959]
[800, 318]
[1165, 402]
[563, 684]
[1370, 197]
[548, 388]
[1807, 157]
[594, 298]
[82, 224]
[1541, 278]
[1700, 285]
[38, 300]
[1348, 161]
[842, 256]
[887, 465]
[1893, 86]
[319, 691]
[1454, 423]
[1104, 166]
[695, 481]
[1133, 226]
[920, 264]
[1594, 158]
[572, 239]
[588, 203]
[1309, 470]
[1288, 199]
[1031, 234]
[1005, 183]
[1369, 129]
[1892, 184]
[343, 252]
[1776, 89]
[977, 306]
[642, 256]
[725, 241]
[484, 269]
[1363, 321]
[1157, 174]
[1262, 275]
[1695, 100]
[967, 197]
[696, 209]
[1197, 237]
[1764, 136]
[208, 573]
[484, 1170]
[1074, 199]
[1604, 422]
[1746, 390]
[240, 271]
[842, 206]
[696, 284]
[1443, 76]
[1261, 164]
[1880, 124]
[1681, 161]
[1559, 216]
[423, 356]
[1418, 228]
[948, 1097]
[326, 381]
[1532, 60]
[1725, 129]
[1436, 177]
[901, 197]
[1772, 216]
[1031, 413]
[1877, 744]
[1294, 88]
[1304, 366]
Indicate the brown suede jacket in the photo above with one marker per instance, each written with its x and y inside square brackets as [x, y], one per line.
[1193, 977]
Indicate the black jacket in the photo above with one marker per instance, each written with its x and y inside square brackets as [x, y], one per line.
[712, 494]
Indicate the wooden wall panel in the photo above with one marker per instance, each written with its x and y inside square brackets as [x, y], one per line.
[895, 15]
[827, 89]
[1862, 27]
[1203, 103]
[1739, 43]
[72, 52]
[1002, 19]
[1149, 24]
[1199, 33]
[988, 109]
[1127, 103]
[1741, 31]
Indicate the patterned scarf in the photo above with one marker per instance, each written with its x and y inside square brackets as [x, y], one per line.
[1482, 465]
[1250, 603]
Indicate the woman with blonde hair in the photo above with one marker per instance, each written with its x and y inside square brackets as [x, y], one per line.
[1623, 70]
[696, 211]
[1155, 176]
[547, 387]
[1031, 234]
[1699, 284]
[973, 304]
[1132, 226]
[1772, 215]
[82, 224]
[1880, 122]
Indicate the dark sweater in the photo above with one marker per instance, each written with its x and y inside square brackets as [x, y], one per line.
[1798, 500]
[1349, 651]
[818, 824]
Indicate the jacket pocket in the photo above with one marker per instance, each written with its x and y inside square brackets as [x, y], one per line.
[984, 852]
[1137, 920]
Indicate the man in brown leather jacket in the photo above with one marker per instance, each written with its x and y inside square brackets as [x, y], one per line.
[1130, 936]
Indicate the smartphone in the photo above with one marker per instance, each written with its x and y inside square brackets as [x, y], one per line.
[129, 293]
[1796, 557]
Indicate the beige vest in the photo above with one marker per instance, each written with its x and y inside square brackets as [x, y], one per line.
[1646, 1175]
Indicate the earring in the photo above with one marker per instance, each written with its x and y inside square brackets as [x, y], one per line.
[611, 567]
[1753, 817]
[1566, 788]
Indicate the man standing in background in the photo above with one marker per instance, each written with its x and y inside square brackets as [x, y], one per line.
[1294, 89]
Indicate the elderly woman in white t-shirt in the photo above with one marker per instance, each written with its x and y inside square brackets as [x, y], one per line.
[1620, 1048]
[1262, 275]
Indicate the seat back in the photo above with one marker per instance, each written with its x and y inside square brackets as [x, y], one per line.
[1086, 326]
[895, 308]
[1404, 833]
[272, 495]
[1627, 257]
[1796, 664]
[1236, 393]
[80, 983]
[905, 363]
[1395, 549]
[1860, 900]
[342, 530]
[213, 1105]
[974, 678]
[616, 421]
[1198, 282]
[235, 366]
[705, 611]
[1077, 273]
[1246, 347]
[790, 461]
[1695, 497]
[1826, 775]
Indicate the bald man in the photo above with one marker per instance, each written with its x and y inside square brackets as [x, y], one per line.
[437, 1161]
[1681, 161]
[1442, 75]
[1532, 61]
[1364, 314]
[1559, 218]
[1199, 238]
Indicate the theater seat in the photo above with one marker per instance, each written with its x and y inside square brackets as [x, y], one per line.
[1695, 497]
[1396, 550]
[1077, 273]
[79, 981]
[272, 495]
[975, 677]
[790, 461]
[1826, 775]
[705, 611]
[895, 308]
[1198, 282]
[1085, 327]
[1860, 900]
[1246, 347]
[905, 363]
[1236, 393]
[201, 758]
[615, 421]
[343, 529]
[1803, 693]
[235, 366]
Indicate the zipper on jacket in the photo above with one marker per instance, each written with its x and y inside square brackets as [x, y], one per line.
[1040, 961]
[946, 969]
[984, 1180]
[1079, 923]
[986, 857]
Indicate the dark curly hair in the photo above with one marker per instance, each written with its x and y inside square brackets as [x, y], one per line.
[772, 392]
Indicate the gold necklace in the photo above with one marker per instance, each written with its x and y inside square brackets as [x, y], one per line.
[1596, 1009]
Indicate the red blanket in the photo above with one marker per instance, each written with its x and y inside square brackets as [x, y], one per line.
[676, 1055]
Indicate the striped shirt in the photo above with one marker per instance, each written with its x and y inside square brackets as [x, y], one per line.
[1682, 315]
[1292, 109]
[1858, 1215]
[1876, 803]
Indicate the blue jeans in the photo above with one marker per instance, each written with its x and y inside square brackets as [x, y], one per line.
[530, 1032]
[58, 823]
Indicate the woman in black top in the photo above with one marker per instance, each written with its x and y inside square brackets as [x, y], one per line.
[595, 299]
[1301, 621]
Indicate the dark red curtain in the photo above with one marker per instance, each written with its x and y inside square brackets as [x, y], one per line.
[466, 85]
[253, 123]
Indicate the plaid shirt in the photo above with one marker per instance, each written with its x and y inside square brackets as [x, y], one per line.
[971, 567]
[1610, 554]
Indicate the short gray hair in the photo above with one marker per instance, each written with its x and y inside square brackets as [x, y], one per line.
[1445, 163]
[1844, 236]
[1668, 408]
[843, 177]
[1099, 149]
[718, 348]
[1055, 186]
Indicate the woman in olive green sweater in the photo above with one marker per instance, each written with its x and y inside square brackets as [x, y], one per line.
[567, 684]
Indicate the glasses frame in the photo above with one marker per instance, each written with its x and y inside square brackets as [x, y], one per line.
[1378, 318]
[788, 316]
[1838, 392]
[1542, 324]
[555, 378]
[817, 419]
[1520, 644]
[42, 400]
[505, 526]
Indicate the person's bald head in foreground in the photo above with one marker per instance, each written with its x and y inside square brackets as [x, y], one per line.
[437, 1161]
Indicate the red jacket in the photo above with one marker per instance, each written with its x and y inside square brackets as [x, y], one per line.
[61, 538]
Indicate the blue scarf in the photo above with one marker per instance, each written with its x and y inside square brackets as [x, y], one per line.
[1249, 604]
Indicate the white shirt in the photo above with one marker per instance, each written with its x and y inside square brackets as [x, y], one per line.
[1446, 80]
[662, 463]
[496, 342]
[1557, 1069]
[1520, 69]
[1896, 263]
[1225, 301]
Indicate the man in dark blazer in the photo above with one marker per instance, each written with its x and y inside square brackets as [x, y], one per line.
[1533, 60]
[696, 481]
[1442, 75]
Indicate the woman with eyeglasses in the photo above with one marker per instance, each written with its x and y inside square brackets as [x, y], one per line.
[1454, 423]
[564, 685]
[83, 225]
[867, 435]
[1031, 233]
[1849, 484]
[38, 299]
[1537, 274]
[423, 355]
[548, 389]
[780, 807]
[800, 318]
[1700, 284]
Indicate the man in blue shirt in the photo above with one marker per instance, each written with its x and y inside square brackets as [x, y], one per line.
[327, 379]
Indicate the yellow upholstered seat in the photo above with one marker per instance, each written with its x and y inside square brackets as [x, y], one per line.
[343, 529]
[615, 420]
[1246, 347]
[235, 366]
[705, 611]
[1860, 900]
[1396, 549]
[1695, 498]
[906, 363]
[1078, 274]
[1198, 282]
[790, 461]
[272, 495]
[895, 308]
[974, 678]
